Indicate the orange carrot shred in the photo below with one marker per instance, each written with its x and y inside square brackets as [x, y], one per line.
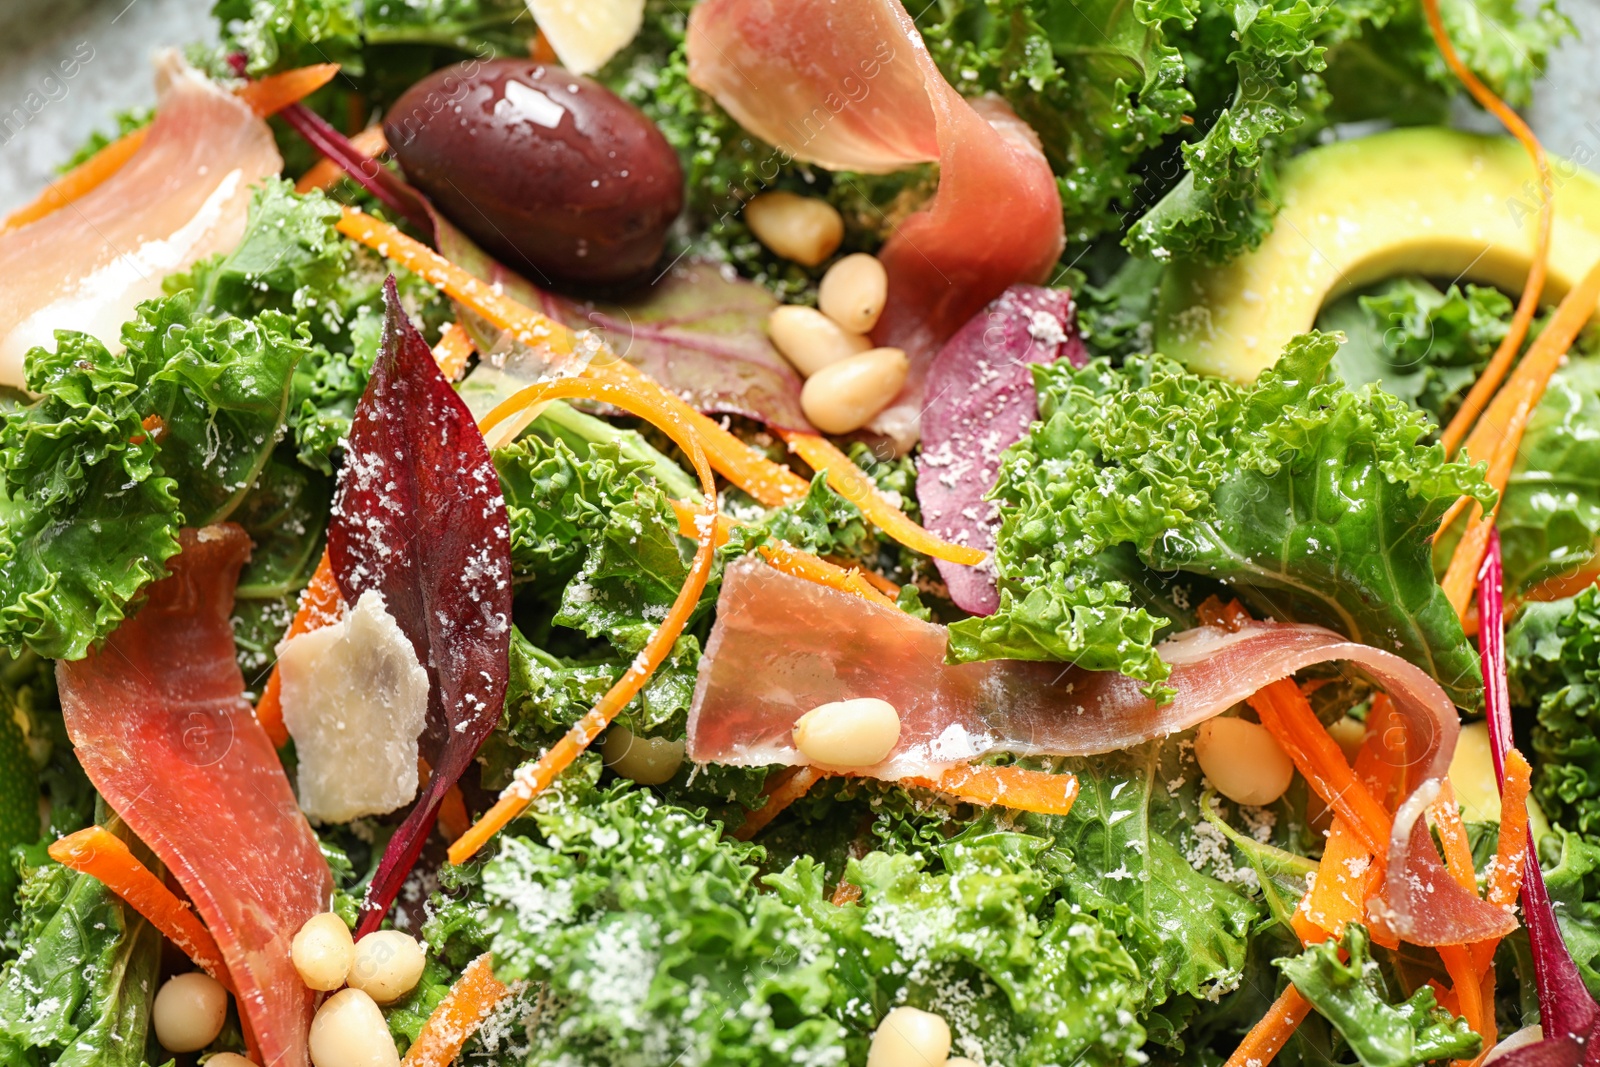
[79, 180]
[1010, 787]
[1508, 416]
[850, 482]
[532, 780]
[788, 787]
[1505, 876]
[1288, 717]
[101, 854]
[455, 347]
[1457, 849]
[1467, 983]
[1339, 894]
[264, 97]
[463, 1010]
[325, 173]
[1533, 288]
[269, 95]
[1267, 1037]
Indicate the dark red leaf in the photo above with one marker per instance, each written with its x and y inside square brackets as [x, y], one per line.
[1569, 1014]
[419, 518]
[980, 401]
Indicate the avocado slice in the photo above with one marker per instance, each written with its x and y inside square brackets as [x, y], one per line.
[1422, 200]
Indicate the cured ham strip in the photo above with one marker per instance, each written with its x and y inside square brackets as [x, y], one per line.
[181, 197]
[849, 85]
[1425, 905]
[159, 720]
[781, 646]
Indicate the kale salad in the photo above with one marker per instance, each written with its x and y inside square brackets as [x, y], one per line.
[984, 533]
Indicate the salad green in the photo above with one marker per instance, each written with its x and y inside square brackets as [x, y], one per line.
[758, 910]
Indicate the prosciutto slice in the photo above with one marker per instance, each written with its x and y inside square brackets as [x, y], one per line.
[159, 720]
[849, 85]
[181, 197]
[782, 645]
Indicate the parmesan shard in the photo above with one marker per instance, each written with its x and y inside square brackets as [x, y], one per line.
[587, 33]
[355, 700]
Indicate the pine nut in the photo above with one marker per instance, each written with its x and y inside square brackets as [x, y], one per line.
[322, 952]
[189, 1012]
[1242, 760]
[853, 292]
[387, 965]
[810, 340]
[848, 733]
[844, 396]
[909, 1037]
[646, 760]
[229, 1059]
[801, 228]
[349, 1031]
[1349, 734]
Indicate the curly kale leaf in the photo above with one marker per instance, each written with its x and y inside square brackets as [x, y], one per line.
[1574, 885]
[1353, 995]
[658, 938]
[1553, 659]
[80, 995]
[119, 451]
[1312, 501]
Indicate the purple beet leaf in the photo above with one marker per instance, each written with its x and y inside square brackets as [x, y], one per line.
[699, 329]
[1567, 1012]
[980, 401]
[418, 517]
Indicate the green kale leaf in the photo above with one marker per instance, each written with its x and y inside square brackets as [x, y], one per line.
[1574, 885]
[119, 451]
[1310, 500]
[1553, 662]
[558, 503]
[1355, 998]
[79, 995]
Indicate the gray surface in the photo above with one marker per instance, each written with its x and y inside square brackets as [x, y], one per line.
[36, 35]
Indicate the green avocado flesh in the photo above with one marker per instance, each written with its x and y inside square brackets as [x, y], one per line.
[1423, 200]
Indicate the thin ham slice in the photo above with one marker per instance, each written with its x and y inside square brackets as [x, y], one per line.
[183, 196]
[159, 720]
[1423, 904]
[782, 645]
[849, 85]
[980, 402]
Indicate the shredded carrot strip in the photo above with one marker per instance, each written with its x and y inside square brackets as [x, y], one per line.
[1467, 984]
[455, 347]
[319, 605]
[1267, 1037]
[325, 173]
[269, 95]
[103, 855]
[850, 482]
[754, 473]
[533, 780]
[1382, 757]
[1288, 717]
[788, 559]
[872, 578]
[1457, 849]
[1505, 876]
[1563, 585]
[1512, 409]
[1009, 787]
[1495, 372]
[789, 787]
[1339, 895]
[264, 97]
[453, 818]
[459, 1015]
[79, 180]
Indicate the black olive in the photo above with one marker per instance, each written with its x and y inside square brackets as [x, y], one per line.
[552, 173]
